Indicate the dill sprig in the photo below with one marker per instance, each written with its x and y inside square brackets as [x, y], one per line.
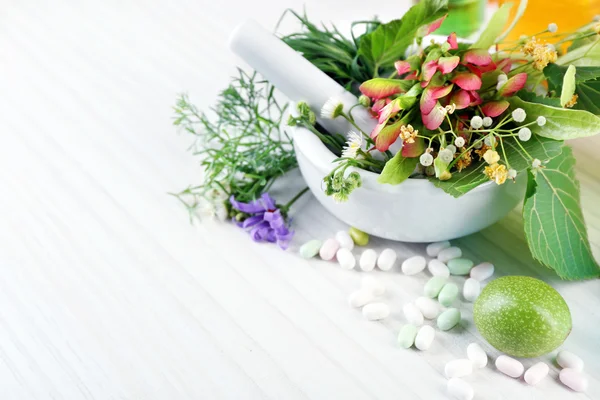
[241, 147]
[330, 51]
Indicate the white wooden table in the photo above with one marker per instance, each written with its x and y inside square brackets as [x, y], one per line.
[106, 290]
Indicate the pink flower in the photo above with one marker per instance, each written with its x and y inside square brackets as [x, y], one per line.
[402, 67]
[430, 97]
[452, 41]
[387, 136]
[461, 99]
[434, 119]
[513, 85]
[429, 69]
[467, 81]
[380, 88]
[448, 64]
[415, 149]
[479, 57]
[436, 24]
[494, 108]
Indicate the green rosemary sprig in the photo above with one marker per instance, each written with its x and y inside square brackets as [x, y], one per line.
[330, 51]
[241, 147]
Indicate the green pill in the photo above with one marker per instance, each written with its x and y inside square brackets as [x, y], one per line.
[460, 266]
[407, 335]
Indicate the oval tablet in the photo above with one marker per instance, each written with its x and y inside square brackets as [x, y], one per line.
[509, 366]
[477, 355]
[536, 373]
[482, 271]
[329, 248]
[376, 311]
[345, 258]
[310, 248]
[566, 359]
[367, 260]
[360, 298]
[460, 266]
[428, 307]
[449, 254]
[344, 240]
[424, 338]
[573, 379]
[448, 294]
[434, 249]
[434, 286]
[407, 335]
[438, 268]
[413, 265]
[413, 314]
[448, 319]
[386, 259]
[471, 289]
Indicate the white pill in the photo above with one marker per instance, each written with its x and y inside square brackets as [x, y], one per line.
[424, 337]
[458, 368]
[428, 307]
[509, 366]
[328, 250]
[449, 254]
[413, 265]
[438, 268]
[566, 359]
[360, 298]
[413, 314]
[345, 258]
[376, 311]
[434, 249]
[536, 373]
[471, 289]
[368, 259]
[477, 356]
[345, 240]
[573, 379]
[372, 284]
[386, 259]
[460, 389]
[482, 271]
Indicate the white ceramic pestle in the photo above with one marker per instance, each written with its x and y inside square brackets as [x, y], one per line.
[295, 76]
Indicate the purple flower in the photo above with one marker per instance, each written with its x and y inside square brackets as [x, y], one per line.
[265, 223]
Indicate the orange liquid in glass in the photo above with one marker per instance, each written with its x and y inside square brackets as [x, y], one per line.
[568, 15]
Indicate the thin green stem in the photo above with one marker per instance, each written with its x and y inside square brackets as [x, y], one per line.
[294, 199]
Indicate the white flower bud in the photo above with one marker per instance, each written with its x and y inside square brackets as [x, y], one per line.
[519, 115]
[541, 121]
[452, 148]
[500, 84]
[490, 141]
[552, 27]
[446, 156]
[524, 134]
[502, 78]
[478, 144]
[459, 141]
[476, 122]
[536, 163]
[512, 174]
[426, 159]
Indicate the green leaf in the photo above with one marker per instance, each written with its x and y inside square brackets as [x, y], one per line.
[554, 224]
[397, 170]
[533, 98]
[587, 87]
[468, 179]
[562, 123]
[494, 28]
[388, 42]
[584, 56]
[568, 85]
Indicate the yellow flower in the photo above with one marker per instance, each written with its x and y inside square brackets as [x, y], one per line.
[446, 175]
[408, 133]
[482, 150]
[464, 160]
[497, 173]
[541, 53]
[491, 157]
[572, 102]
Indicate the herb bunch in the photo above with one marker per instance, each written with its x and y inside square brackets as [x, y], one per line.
[240, 146]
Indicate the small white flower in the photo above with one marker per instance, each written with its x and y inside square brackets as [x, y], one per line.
[476, 122]
[512, 174]
[353, 144]
[519, 115]
[524, 134]
[426, 159]
[446, 156]
[452, 148]
[536, 163]
[551, 46]
[502, 78]
[478, 144]
[332, 108]
[487, 121]
[459, 141]
[490, 141]
[541, 121]
[552, 27]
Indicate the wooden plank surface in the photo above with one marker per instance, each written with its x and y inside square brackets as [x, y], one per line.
[107, 292]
